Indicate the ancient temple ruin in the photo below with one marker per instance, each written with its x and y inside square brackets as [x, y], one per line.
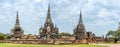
[17, 31]
[49, 31]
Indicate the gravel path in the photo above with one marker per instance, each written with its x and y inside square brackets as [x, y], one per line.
[115, 45]
[110, 45]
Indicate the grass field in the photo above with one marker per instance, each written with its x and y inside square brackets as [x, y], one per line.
[30, 45]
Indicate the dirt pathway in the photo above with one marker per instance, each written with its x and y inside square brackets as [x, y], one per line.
[115, 45]
[110, 45]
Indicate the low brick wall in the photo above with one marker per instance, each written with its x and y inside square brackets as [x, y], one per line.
[42, 41]
[37, 41]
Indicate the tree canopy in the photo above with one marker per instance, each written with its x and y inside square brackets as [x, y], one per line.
[64, 34]
[114, 34]
[2, 36]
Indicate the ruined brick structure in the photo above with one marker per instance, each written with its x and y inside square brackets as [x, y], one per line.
[17, 31]
[49, 34]
[49, 31]
[79, 31]
[91, 37]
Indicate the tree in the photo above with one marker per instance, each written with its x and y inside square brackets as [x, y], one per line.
[2, 36]
[64, 34]
[112, 33]
[7, 36]
[115, 35]
[118, 33]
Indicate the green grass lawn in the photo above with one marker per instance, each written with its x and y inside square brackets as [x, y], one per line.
[31, 45]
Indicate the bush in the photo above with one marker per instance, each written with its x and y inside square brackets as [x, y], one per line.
[64, 34]
[115, 40]
[2, 36]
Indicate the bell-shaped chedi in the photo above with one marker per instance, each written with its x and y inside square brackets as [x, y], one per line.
[49, 31]
[79, 31]
[17, 31]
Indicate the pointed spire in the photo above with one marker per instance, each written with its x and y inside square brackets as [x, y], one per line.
[41, 27]
[119, 26]
[48, 15]
[55, 26]
[17, 19]
[93, 35]
[80, 19]
[119, 23]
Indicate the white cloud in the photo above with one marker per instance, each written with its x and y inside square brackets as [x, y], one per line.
[23, 1]
[38, 1]
[116, 14]
[114, 3]
[103, 13]
[60, 1]
[105, 2]
[7, 5]
[89, 6]
[32, 13]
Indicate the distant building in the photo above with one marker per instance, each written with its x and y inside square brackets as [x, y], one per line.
[17, 31]
[81, 35]
[49, 34]
[91, 37]
[49, 31]
[79, 31]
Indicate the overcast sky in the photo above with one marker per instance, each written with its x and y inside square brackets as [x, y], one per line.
[99, 16]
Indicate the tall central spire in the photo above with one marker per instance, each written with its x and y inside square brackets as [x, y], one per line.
[49, 31]
[48, 15]
[79, 31]
[119, 26]
[80, 19]
[17, 19]
[17, 31]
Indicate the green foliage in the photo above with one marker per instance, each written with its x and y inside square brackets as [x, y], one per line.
[64, 34]
[118, 34]
[7, 36]
[114, 34]
[2, 36]
[115, 40]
